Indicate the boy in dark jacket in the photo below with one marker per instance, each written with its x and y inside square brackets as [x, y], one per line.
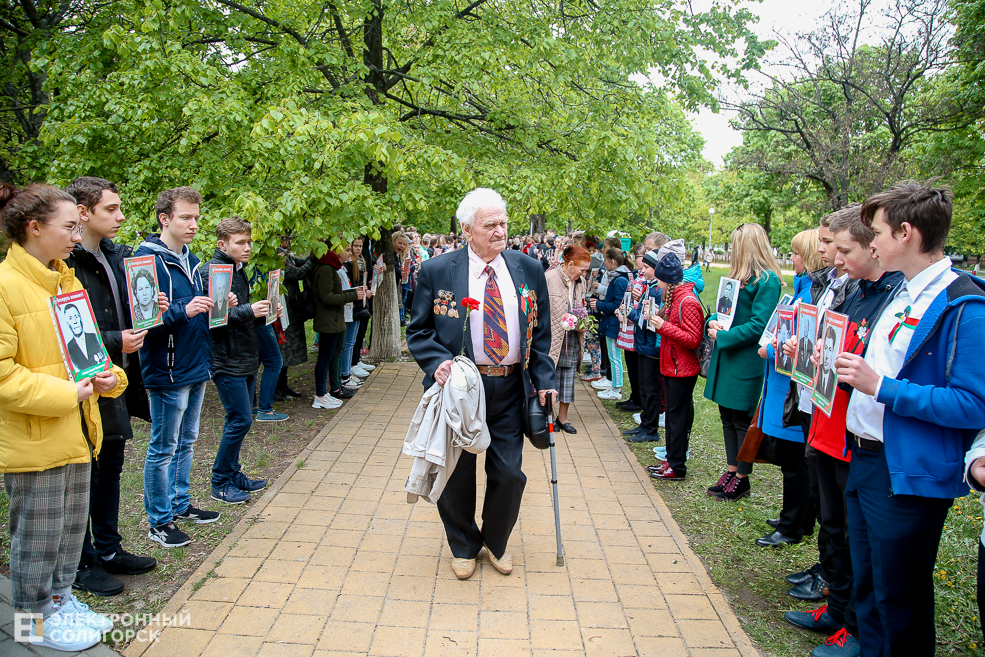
[917, 406]
[647, 344]
[235, 361]
[98, 263]
[175, 361]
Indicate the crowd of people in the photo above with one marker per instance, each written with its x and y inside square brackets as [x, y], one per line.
[877, 471]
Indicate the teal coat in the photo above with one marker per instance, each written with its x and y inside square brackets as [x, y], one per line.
[735, 375]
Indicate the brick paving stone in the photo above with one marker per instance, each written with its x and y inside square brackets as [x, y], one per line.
[334, 562]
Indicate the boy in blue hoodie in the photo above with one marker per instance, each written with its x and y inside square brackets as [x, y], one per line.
[176, 361]
[919, 403]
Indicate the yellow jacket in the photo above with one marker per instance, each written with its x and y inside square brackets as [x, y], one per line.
[39, 404]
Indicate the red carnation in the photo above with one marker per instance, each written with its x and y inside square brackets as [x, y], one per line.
[470, 303]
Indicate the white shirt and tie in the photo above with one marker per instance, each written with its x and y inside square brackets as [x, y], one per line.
[511, 307]
[865, 414]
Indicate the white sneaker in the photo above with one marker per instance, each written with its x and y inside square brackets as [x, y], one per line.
[638, 418]
[366, 366]
[602, 384]
[65, 632]
[326, 401]
[358, 370]
[353, 383]
[611, 393]
[82, 614]
[663, 419]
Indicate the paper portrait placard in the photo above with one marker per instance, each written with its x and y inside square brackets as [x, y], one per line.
[832, 337]
[273, 295]
[770, 331]
[728, 295]
[220, 284]
[143, 288]
[78, 335]
[785, 320]
[803, 368]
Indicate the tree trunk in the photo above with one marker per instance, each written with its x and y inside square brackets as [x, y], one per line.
[537, 223]
[386, 303]
[768, 221]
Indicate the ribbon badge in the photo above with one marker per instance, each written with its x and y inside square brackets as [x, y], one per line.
[905, 321]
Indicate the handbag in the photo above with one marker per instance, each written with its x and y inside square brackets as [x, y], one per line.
[758, 447]
[791, 406]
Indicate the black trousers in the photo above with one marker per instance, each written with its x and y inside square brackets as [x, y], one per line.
[894, 541]
[604, 369]
[357, 350]
[815, 503]
[651, 389]
[504, 479]
[632, 371]
[102, 536]
[981, 586]
[735, 424]
[678, 393]
[796, 489]
[832, 477]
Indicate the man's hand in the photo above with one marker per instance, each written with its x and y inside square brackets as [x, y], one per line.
[442, 373]
[103, 382]
[162, 302]
[132, 340]
[233, 300]
[261, 308]
[977, 470]
[197, 306]
[542, 394]
[85, 389]
[853, 370]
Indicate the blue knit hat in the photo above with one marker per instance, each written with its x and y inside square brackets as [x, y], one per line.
[669, 270]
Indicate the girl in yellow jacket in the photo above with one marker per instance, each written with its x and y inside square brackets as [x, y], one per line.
[45, 448]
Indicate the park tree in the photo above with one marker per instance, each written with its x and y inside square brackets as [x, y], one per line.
[334, 118]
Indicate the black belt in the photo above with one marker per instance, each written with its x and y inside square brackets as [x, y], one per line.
[867, 444]
[497, 370]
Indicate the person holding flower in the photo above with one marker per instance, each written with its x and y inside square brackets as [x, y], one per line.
[566, 288]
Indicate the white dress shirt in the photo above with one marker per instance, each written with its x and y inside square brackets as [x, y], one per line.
[511, 307]
[865, 414]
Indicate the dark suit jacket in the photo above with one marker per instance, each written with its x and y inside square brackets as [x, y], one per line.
[434, 338]
[724, 305]
[95, 352]
[826, 384]
[804, 353]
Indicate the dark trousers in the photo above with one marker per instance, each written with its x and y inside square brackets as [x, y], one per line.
[735, 424]
[981, 586]
[102, 533]
[604, 365]
[326, 350]
[815, 503]
[270, 357]
[632, 371]
[236, 393]
[894, 541]
[360, 339]
[651, 387]
[504, 479]
[679, 396]
[832, 477]
[796, 491]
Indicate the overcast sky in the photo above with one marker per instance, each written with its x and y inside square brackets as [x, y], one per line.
[775, 16]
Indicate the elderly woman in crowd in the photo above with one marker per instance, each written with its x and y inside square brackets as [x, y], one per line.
[566, 286]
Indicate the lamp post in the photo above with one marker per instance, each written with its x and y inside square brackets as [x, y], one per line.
[711, 218]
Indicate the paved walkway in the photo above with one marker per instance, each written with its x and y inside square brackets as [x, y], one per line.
[333, 561]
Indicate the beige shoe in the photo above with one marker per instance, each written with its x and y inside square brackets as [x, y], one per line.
[463, 567]
[504, 565]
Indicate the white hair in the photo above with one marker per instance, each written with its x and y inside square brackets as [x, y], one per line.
[478, 199]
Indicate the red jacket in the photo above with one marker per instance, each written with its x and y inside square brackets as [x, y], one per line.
[827, 434]
[681, 334]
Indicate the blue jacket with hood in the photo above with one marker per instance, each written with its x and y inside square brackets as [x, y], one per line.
[936, 404]
[178, 352]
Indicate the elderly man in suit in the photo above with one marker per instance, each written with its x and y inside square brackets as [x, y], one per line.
[511, 348]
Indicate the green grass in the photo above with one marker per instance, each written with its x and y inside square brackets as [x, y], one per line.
[723, 535]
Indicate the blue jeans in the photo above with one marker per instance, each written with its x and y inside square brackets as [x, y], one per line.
[236, 393]
[326, 350]
[272, 361]
[174, 416]
[351, 333]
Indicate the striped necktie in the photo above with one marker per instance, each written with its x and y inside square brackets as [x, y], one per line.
[495, 342]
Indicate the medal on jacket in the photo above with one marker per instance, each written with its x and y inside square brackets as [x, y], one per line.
[905, 321]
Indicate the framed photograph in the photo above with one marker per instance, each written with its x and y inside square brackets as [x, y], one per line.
[273, 295]
[376, 275]
[728, 295]
[770, 331]
[627, 305]
[803, 368]
[220, 284]
[78, 335]
[832, 338]
[285, 321]
[785, 320]
[143, 289]
[405, 270]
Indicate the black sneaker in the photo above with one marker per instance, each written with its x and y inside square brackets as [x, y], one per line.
[344, 394]
[125, 563]
[95, 580]
[197, 516]
[169, 536]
